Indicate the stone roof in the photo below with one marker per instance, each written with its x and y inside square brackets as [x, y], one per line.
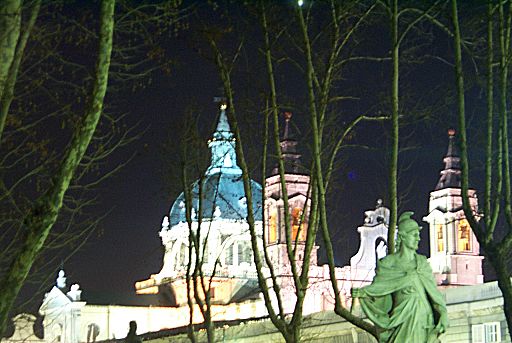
[450, 175]
[221, 188]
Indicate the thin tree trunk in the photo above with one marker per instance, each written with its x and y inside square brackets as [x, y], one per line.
[393, 163]
[500, 254]
[488, 205]
[8, 90]
[10, 22]
[496, 252]
[274, 113]
[499, 264]
[262, 281]
[319, 183]
[44, 213]
[191, 247]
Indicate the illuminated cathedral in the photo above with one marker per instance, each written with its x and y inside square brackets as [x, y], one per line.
[218, 214]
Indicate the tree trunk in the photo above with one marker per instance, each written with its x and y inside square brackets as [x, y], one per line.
[10, 22]
[8, 88]
[44, 213]
[503, 276]
[393, 163]
[496, 252]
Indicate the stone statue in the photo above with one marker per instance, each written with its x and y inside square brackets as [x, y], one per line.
[132, 334]
[75, 292]
[61, 280]
[403, 300]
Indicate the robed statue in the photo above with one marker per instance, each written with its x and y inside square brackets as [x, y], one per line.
[403, 300]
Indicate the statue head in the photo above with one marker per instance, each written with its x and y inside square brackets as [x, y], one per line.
[408, 231]
[133, 326]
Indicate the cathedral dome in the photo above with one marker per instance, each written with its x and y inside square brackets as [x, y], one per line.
[223, 199]
[223, 194]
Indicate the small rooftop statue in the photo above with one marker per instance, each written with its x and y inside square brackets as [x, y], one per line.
[132, 334]
[61, 280]
[75, 292]
[403, 300]
[165, 223]
[378, 216]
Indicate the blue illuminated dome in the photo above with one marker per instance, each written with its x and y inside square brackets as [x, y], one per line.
[222, 192]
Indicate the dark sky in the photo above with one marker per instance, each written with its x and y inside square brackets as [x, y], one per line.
[127, 248]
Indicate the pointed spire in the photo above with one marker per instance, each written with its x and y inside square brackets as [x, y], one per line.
[289, 150]
[223, 130]
[450, 175]
[222, 147]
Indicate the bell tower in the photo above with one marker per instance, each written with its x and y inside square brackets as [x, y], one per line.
[297, 187]
[454, 250]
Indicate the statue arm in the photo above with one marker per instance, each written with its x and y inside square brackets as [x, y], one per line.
[435, 296]
[388, 279]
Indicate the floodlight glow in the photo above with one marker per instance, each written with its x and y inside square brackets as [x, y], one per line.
[300, 3]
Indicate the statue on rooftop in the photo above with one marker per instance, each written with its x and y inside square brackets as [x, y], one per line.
[132, 334]
[61, 280]
[403, 300]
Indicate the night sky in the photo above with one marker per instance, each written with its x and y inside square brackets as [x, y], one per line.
[126, 247]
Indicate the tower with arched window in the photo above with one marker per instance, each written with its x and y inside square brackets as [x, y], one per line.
[297, 188]
[454, 249]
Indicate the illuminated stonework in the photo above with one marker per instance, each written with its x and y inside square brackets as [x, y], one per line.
[454, 250]
[235, 293]
[373, 245]
[440, 237]
[223, 229]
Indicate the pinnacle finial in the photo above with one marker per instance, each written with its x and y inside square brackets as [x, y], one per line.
[451, 132]
[61, 280]
[287, 116]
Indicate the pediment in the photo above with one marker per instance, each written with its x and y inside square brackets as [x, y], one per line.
[54, 299]
[434, 215]
[297, 196]
[441, 214]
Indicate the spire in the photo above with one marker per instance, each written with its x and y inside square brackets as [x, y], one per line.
[289, 150]
[450, 176]
[222, 147]
[223, 130]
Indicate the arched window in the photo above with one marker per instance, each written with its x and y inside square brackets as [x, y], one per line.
[244, 253]
[464, 236]
[440, 238]
[272, 226]
[298, 224]
[229, 255]
[183, 261]
[381, 248]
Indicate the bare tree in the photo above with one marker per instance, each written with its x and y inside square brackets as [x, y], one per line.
[44, 212]
[290, 325]
[8, 79]
[10, 24]
[48, 86]
[199, 283]
[496, 241]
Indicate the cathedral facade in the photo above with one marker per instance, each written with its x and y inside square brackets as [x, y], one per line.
[217, 211]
